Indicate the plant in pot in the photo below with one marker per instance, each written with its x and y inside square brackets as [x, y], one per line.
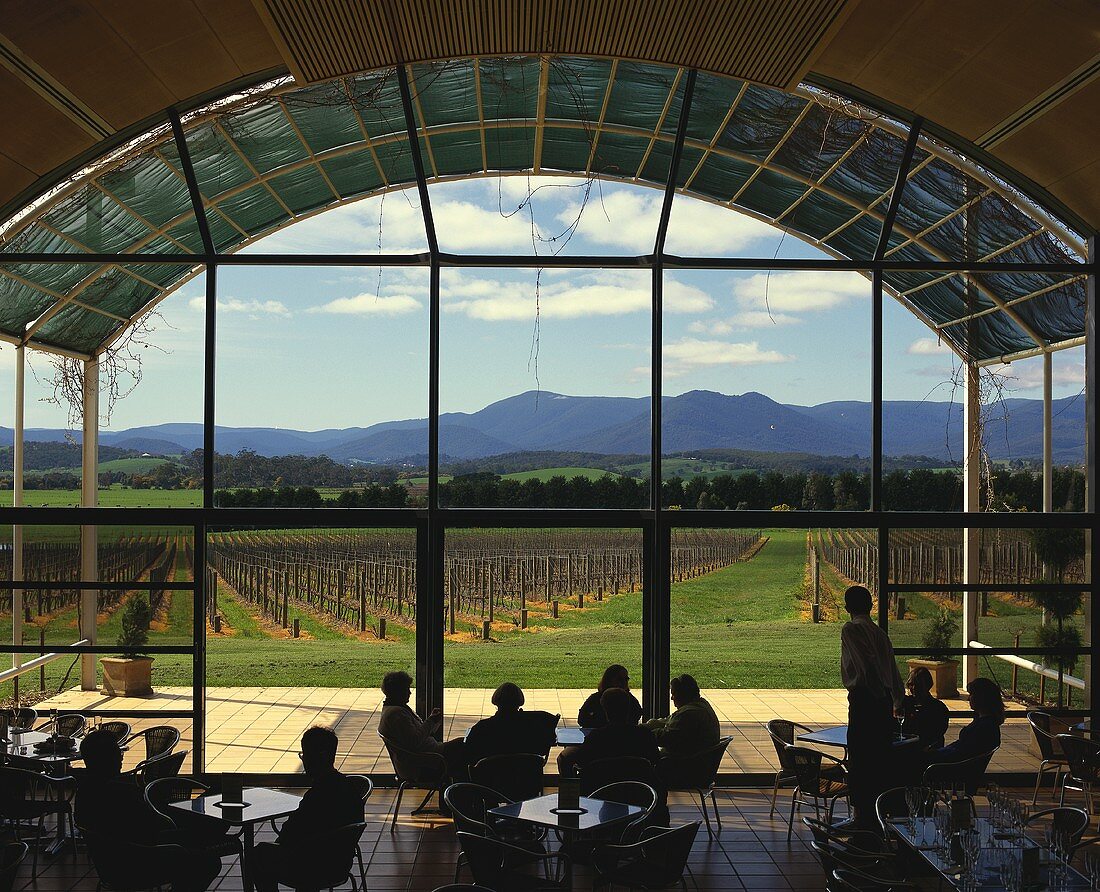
[131, 675]
[938, 636]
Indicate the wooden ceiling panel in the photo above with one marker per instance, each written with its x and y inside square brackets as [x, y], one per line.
[47, 138]
[76, 45]
[242, 33]
[175, 41]
[14, 177]
[1081, 191]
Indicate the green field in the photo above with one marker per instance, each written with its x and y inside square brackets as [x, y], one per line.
[545, 474]
[115, 496]
[743, 626]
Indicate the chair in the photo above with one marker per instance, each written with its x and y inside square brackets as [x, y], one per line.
[892, 804]
[30, 796]
[782, 733]
[1071, 821]
[333, 858]
[470, 803]
[657, 861]
[602, 772]
[12, 854]
[159, 739]
[165, 765]
[820, 785]
[517, 775]
[630, 793]
[852, 847]
[418, 770]
[696, 773]
[1047, 742]
[364, 786]
[69, 724]
[114, 860]
[212, 835]
[119, 730]
[20, 718]
[498, 865]
[965, 775]
[1083, 766]
[462, 887]
[851, 880]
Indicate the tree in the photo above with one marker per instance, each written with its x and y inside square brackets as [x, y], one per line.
[1058, 549]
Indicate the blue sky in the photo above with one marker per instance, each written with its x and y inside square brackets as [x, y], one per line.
[312, 348]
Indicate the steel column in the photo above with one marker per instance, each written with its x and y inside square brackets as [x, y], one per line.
[1048, 433]
[1092, 554]
[89, 538]
[17, 501]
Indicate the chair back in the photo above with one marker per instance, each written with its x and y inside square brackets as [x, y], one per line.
[462, 887]
[490, 860]
[602, 772]
[666, 851]
[168, 765]
[163, 791]
[966, 775]
[1073, 822]
[159, 739]
[119, 730]
[20, 718]
[469, 805]
[858, 881]
[71, 724]
[782, 733]
[516, 775]
[19, 786]
[332, 854]
[413, 767]
[805, 764]
[1040, 723]
[630, 793]
[864, 843]
[696, 771]
[1082, 756]
[11, 856]
[364, 786]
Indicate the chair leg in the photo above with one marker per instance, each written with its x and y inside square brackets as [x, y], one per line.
[790, 819]
[706, 814]
[775, 795]
[717, 814]
[362, 871]
[424, 802]
[1038, 780]
[397, 805]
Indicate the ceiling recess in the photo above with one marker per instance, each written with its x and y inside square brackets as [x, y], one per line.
[772, 43]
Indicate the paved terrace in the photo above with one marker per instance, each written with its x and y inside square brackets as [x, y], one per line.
[257, 729]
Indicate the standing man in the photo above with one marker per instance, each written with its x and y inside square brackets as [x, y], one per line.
[875, 691]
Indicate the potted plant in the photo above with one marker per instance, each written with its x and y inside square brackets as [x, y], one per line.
[131, 675]
[938, 636]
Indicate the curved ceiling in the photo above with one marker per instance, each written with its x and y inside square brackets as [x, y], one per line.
[819, 165]
[1017, 78]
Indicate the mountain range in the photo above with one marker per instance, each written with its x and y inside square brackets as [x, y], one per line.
[698, 419]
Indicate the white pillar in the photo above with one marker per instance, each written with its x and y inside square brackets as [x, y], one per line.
[972, 458]
[17, 501]
[89, 498]
[1048, 433]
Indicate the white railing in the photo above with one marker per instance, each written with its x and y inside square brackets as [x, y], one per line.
[37, 662]
[1038, 668]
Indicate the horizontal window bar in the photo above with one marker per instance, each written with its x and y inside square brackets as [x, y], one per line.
[1006, 650]
[130, 713]
[31, 585]
[103, 650]
[991, 587]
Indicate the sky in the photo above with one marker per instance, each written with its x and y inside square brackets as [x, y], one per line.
[321, 347]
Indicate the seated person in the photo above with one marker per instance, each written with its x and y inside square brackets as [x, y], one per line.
[511, 730]
[983, 733]
[108, 802]
[692, 727]
[303, 844]
[591, 713]
[623, 735]
[403, 727]
[925, 716]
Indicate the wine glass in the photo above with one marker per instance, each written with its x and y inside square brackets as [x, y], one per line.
[912, 802]
[972, 850]
[1092, 868]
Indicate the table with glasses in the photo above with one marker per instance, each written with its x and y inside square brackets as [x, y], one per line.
[260, 804]
[590, 816]
[990, 852]
[21, 750]
[562, 736]
[838, 737]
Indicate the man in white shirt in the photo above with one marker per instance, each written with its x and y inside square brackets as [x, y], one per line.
[875, 691]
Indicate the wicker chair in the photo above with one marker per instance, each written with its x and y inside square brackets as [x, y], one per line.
[1047, 742]
[820, 780]
[119, 730]
[69, 724]
[161, 793]
[426, 771]
[963, 776]
[782, 733]
[12, 855]
[516, 775]
[1071, 821]
[657, 861]
[697, 773]
[1083, 766]
[20, 718]
[30, 796]
[159, 739]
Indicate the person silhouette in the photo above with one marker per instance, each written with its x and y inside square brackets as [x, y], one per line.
[332, 801]
[926, 718]
[512, 729]
[875, 691]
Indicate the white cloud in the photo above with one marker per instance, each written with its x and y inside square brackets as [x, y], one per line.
[702, 229]
[596, 294]
[367, 304]
[800, 291]
[1028, 375]
[690, 353]
[928, 347]
[236, 305]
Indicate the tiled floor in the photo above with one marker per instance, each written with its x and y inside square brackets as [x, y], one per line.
[257, 729]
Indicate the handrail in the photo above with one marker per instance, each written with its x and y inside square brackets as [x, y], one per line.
[1038, 668]
[37, 662]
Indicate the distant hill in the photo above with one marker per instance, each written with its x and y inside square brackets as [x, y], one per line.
[696, 420]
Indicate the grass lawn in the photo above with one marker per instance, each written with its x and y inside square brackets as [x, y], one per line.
[115, 496]
[545, 474]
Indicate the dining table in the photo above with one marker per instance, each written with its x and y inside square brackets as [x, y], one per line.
[257, 806]
[838, 737]
[563, 736]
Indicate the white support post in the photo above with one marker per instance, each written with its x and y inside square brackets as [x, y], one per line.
[1048, 433]
[17, 501]
[972, 457]
[89, 498]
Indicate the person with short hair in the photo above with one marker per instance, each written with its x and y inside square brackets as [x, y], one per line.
[110, 807]
[332, 801]
[511, 729]
[400, 725]
[926, 718]
[692, 727]
[591, 714]
[623, 735]
[983, 734]
[875, 691]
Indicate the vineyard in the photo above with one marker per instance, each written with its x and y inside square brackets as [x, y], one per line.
[364, 578]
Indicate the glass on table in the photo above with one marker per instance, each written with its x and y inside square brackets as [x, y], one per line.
[1092, 869]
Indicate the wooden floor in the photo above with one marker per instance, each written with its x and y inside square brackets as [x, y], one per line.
[251, 729]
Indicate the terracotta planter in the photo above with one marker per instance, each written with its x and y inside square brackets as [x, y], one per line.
[945, 676]
[127, 676]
